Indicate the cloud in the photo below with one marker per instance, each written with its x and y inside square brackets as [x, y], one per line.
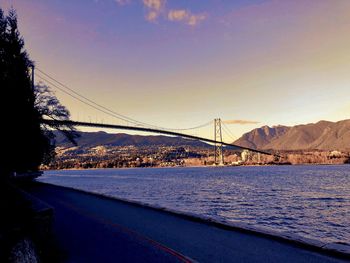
[185, 16]
[196, 19]
[178, 15]
[241, 122]
[157, 8]
[182, 15]
[152, 16]
[154, 7]
[157, 5]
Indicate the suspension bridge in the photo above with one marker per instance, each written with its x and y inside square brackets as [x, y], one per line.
[134, 125]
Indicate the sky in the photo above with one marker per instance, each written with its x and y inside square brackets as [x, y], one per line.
[182, 63]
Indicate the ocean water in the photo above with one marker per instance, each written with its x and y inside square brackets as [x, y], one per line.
[310, 201]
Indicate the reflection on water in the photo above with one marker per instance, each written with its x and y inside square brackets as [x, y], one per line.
[311, 201]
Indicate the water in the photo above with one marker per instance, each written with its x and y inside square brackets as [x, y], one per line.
[311, 201]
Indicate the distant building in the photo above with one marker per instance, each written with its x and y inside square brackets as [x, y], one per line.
[245, 155]
[335, 154]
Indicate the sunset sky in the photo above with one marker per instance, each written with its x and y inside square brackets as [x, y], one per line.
[181, 63]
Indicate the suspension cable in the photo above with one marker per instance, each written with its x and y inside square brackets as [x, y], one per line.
[104, 109]
[228, 132]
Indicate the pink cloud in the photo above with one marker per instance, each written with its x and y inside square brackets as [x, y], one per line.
[154, 4]
[178, 15]
[152, 16]
[241, 122]
[154, 8]
[157, 8]
[182, 15]
[196, 19]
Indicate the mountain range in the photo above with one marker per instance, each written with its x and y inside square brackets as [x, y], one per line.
[93, 139]
[323, 135]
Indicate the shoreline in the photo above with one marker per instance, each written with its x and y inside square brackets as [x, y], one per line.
[196, 166]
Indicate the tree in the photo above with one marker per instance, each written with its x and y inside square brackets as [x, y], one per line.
[49, 107]
[26, 143]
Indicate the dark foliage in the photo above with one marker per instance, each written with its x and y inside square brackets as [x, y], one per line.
[49, 107]
[26, 143]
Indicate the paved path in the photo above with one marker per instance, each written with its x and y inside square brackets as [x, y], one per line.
[94, 229]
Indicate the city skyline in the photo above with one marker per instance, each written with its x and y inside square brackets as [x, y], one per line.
[178, 64]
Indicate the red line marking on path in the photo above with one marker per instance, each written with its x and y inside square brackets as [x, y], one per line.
[127, 230]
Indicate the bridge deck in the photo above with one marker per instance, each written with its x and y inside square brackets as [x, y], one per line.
[94, 229]
[55, 123]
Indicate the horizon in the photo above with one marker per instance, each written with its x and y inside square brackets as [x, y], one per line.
[179, 64]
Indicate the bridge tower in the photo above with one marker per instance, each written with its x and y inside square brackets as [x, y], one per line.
[218, 154]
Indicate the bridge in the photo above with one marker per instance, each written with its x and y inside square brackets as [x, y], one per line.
[218, 144]
[217, 141]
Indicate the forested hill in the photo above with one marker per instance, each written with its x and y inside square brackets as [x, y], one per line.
[93, 139]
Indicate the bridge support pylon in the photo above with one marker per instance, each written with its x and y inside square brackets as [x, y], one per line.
[218, 153]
